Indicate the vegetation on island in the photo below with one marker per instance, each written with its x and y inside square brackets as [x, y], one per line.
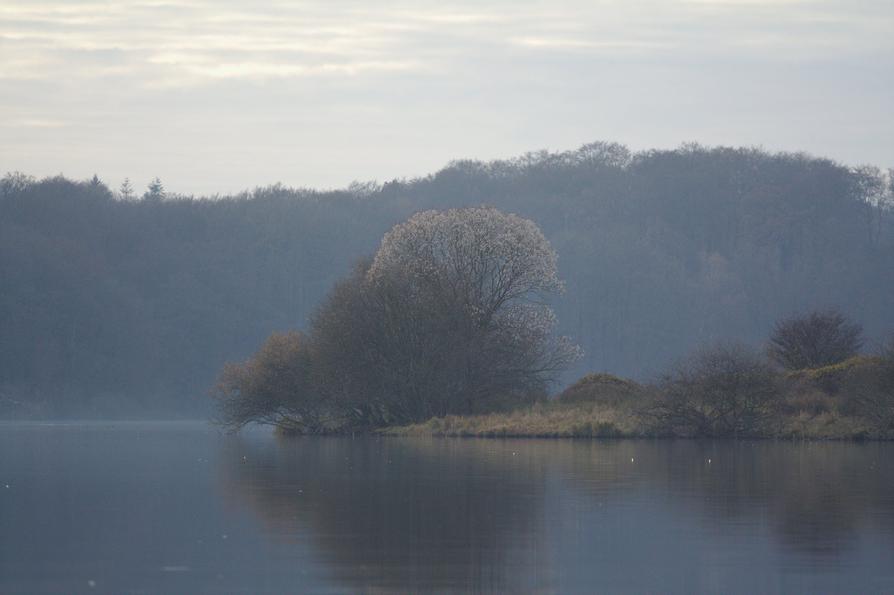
[124, 302]
[447, 318]
[444, 332]
[728, 390]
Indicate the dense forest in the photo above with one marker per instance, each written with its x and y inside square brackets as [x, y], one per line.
[112, 304]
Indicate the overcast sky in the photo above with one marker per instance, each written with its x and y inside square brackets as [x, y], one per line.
[218, 95]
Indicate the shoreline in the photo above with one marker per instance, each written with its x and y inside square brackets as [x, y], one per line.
[461, 427]
[594, 421]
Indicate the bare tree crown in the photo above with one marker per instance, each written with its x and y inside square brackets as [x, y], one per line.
[479, 256]
[813, 340]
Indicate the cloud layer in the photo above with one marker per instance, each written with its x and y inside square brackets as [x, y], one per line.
[217, 95]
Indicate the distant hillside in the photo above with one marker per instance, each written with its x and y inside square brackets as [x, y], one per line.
[130, 307]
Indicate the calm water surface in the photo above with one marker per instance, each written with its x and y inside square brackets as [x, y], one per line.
[179, 508]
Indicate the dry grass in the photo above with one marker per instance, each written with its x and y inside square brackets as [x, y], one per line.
[558, 420]
[828, 426]
[543, 420]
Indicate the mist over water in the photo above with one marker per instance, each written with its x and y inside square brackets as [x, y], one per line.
[667, 218]
[178, 507]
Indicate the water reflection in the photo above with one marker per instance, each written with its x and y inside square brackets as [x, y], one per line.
[416, 514]
[816, 497]
[403, 515]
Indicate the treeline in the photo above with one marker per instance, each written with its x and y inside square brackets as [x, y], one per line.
[113, 306]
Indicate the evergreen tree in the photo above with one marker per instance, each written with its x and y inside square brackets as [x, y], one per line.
[126, 190]
[155, 191]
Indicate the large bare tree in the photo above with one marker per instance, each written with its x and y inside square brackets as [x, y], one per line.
[448, 317]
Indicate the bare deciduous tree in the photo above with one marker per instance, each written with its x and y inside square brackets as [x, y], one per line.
[813, 340]
[481, 273]
[478, 258]
[728, 390]
[273, 387]
[446, 319]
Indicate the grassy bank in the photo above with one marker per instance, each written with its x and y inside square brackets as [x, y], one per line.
[543, 420]
[557, 420]
[604, 406]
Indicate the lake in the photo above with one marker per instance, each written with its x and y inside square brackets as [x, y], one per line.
[180, 508]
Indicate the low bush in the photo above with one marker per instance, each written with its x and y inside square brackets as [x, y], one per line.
[868, 391]
[728, 390]
[811, 402]
[603, 389]
[275, 386]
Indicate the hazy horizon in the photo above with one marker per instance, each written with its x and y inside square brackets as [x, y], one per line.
[222, 96]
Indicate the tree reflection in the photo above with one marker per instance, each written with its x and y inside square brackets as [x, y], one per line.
[454, 514]
[816, 497]
[391, 514]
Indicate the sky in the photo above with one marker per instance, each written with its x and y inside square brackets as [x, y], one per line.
[216, 96]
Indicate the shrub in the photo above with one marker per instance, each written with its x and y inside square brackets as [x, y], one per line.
[817, 339]
[275, 386]
[728, 390]
[869, 390]
[810, 402]
[603, 389]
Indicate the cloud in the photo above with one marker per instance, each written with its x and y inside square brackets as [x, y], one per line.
[205, 41]
[210, 66]
[133, 82]
[571, 43]
[38, 123]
